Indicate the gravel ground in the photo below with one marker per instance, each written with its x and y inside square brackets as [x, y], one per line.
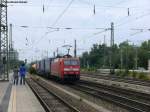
[109, 106]
[98, 104]
[82, 104]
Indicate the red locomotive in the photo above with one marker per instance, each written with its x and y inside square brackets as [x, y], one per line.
[66, 68]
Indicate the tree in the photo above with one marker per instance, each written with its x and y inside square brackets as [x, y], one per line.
[124, 53]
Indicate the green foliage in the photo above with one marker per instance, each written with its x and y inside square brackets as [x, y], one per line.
[99, 56]
[32, 70]
[134, 74]
[118, 72]
[91, 69]
[143, 76]
[112, 71]
[144, 54]
[124, 73]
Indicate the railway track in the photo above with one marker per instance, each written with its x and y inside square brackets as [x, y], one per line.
[119, 79]
[130, 100]
[49, 100]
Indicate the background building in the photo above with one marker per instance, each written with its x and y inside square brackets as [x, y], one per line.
[13, 58]
[13, 55]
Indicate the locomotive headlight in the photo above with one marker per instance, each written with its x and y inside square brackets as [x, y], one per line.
[71, 69]
[67, 69]
[65, 72]
[77, 72]
[75, 69]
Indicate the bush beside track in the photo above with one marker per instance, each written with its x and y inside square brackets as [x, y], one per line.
[120, 73]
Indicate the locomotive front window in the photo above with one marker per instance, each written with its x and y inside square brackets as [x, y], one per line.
[71, 62]
[74, 62]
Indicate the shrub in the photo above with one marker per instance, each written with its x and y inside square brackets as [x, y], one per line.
[118, 73]
[130, 74]
[143, 76]
[112, 71]
[134, 74]
[125, 73]
[32, 70]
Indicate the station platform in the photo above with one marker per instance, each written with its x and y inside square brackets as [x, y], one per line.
[18, 98]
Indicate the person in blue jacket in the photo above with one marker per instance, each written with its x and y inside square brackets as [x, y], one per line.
[22, 72]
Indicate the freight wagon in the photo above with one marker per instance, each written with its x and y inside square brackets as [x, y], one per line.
[65, 68]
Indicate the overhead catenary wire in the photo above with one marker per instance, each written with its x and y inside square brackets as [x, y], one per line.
[58, 28]
[128, 12]
[91, 4]
[49, 3]
[61, 14]
[72, 1]
[120, 2]
[54, 23]
[134, 19]
[85, 7]
[44, 36]
[78, 28]
[94, 34]
[72, 28]
[109, 6]
[140, 30]
[105, 30]
[85, 2]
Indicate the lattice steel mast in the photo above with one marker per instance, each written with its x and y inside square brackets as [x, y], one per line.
[3, 39]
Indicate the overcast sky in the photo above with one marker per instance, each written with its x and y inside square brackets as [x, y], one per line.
[34, 41]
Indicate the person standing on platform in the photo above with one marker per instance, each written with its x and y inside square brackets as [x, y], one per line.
[15, 75]
[22, 74]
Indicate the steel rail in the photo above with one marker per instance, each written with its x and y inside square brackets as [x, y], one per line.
[50, 92]
[42, 102]
[131, 93]
[122, 101]
[119, 79]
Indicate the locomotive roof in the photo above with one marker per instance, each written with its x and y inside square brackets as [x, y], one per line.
[64, 56]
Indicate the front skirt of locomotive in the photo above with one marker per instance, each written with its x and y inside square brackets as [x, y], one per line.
[71, 77]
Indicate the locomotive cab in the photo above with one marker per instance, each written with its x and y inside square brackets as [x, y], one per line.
[71, 69]
[66, 68]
